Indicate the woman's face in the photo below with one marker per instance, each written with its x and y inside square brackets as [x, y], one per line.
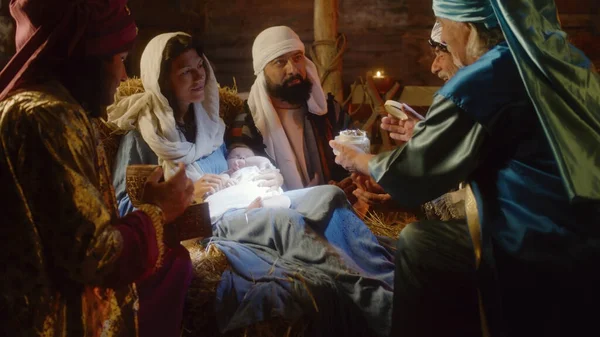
[188, 77]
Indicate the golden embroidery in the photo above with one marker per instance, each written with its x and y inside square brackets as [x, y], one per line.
[53, 174]
[158, 221]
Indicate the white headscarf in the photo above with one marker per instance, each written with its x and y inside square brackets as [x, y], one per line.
[151, 113]
[268, 45]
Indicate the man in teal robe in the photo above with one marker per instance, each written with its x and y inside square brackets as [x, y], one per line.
[520, 122]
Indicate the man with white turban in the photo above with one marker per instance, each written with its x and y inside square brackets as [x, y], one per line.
[288, 116]
[520, 122]
[443, 66]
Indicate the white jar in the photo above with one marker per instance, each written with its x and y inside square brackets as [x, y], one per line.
[357, 138]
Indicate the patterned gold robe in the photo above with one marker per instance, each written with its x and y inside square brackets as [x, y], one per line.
[58, 242]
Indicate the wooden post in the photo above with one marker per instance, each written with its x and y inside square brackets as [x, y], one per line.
[326, 47]
[595, 18]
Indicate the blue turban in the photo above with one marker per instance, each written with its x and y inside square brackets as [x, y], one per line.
[476, 11]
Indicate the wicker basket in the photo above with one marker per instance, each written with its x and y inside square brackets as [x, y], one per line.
[135, 178]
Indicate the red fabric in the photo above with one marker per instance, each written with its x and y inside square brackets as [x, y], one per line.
[140, 250]
[161, 292]
[57, 30]
[162, 295]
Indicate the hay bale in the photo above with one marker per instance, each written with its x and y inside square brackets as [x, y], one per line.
[131, 86]
[230, 104]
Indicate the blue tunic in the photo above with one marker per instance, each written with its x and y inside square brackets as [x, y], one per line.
[483, 128]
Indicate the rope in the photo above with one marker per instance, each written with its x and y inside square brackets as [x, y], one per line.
[341, 44]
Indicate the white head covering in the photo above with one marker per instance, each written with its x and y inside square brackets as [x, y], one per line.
[268, 45]
[436, 33]
[151, 113]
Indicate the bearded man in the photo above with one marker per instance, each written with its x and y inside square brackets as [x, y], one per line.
[288, 116]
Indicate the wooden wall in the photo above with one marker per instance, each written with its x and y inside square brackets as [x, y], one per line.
[382, 34]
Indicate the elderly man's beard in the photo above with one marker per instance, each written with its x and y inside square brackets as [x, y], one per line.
[457, 62]
[447, 73]
[296, 94]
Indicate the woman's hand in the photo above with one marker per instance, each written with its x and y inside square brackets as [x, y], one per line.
[400, 130]
[209, 184]
[351, 157]
[270, 178]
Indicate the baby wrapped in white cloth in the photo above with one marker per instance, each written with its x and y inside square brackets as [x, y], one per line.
[243, 189]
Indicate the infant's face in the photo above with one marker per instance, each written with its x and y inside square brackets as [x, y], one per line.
[240, 153]
[258, 161]
[237, 158]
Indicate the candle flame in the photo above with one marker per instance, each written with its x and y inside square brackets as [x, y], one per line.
[378, 74]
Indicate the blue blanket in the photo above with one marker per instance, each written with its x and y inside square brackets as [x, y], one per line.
[316, 261]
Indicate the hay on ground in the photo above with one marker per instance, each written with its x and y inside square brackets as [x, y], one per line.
[388, 224]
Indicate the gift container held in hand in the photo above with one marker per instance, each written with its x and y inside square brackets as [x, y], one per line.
[193, 223]
[357, 138]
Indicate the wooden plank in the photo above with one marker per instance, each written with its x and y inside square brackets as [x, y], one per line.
[573, 6]
[386, 34]
[573, 21]
[596, 19]
[172, 15]
[328, 46]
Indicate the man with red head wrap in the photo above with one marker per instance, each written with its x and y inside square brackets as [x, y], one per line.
[70, 263]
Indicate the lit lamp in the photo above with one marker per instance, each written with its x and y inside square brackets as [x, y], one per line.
[382, 83]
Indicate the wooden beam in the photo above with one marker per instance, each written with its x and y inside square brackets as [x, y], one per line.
[595, 22]
[327, 47]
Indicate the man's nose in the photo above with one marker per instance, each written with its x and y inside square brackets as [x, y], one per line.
[123, 74]
[291, 68]
[436, 65]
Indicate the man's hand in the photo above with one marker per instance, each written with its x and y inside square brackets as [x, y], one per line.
[368, 191]
[400, 130]
[270, 178]
[348, 186]
[351, 157]
[172, 196]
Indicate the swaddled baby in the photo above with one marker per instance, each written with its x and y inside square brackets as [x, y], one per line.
[244, 165]
[243, 189]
